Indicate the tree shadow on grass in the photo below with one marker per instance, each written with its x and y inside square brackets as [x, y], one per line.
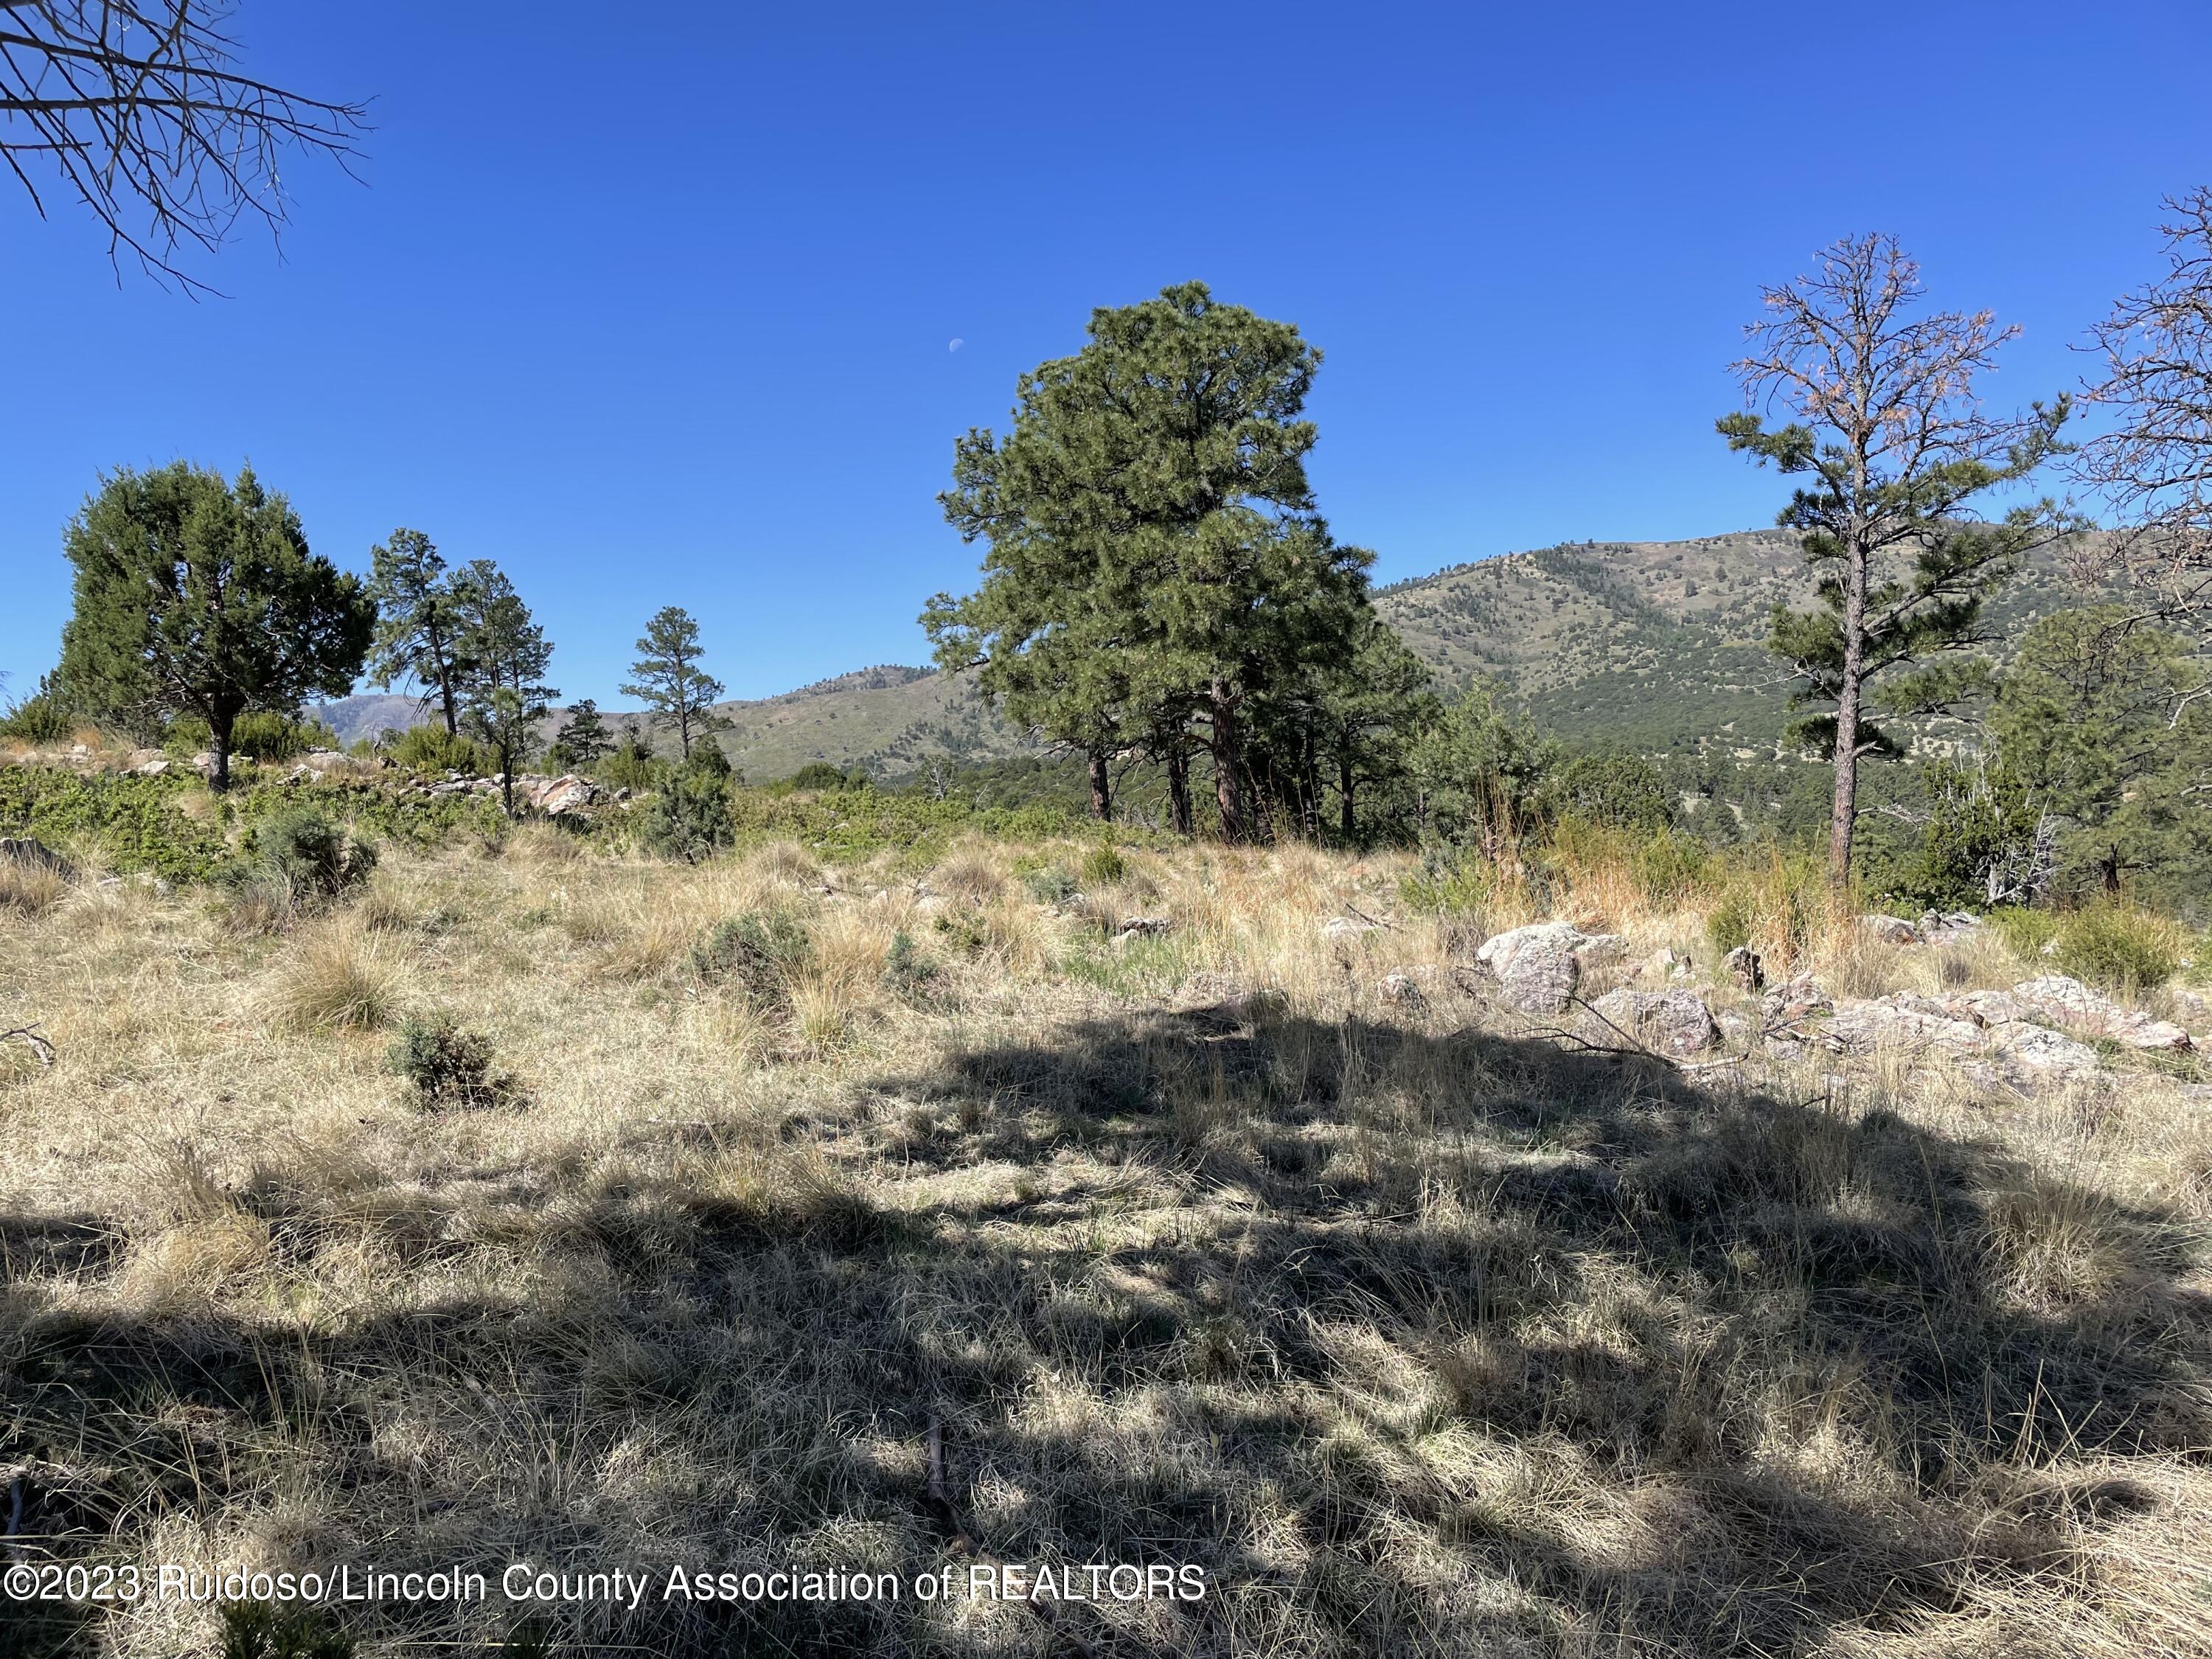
[1417, 1344]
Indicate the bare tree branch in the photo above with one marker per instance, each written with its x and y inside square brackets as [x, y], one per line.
[137, 105]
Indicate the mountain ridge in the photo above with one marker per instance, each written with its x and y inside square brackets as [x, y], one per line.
[1651, 646]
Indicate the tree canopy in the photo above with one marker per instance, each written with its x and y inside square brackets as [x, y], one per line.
[201, 596]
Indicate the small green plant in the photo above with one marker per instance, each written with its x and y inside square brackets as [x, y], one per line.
[907, 972]
[2120, 947]
[1451, 881]
[1104, 866]
[962, 931]
[758, 952]
[263, 736]
[447, 1064]
[818, 774]
[318, 861]
[265, 1630]
[688, 818]
[1728, 925]
[632, 766]
[1051, 885]
[2025, 931]
[1668, 866]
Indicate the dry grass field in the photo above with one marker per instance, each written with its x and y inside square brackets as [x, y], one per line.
[1419, 1330]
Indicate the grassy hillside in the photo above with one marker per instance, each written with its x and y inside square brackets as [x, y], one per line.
[955, 1236]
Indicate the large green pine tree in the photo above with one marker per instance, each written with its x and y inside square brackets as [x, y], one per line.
[416, 623]
[667, 676]
[1156, 563]
[198, 596]
[503, 695]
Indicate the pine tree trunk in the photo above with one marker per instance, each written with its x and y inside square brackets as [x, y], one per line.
[1179, 790]
[1844, 815]
[1226, 740]
[1102, 787]
[219, 746]
[1344, 785]
[446, 697]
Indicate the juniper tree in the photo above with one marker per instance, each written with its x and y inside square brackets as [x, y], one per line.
[198, 596]
[680, 693]
[1898, 451]
[1149, 503]
[504, 694]
[416, 623]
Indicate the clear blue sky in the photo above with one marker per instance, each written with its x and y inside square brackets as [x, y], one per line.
[653, 305]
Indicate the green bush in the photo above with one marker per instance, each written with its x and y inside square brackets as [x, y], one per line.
[1727, 926]
[38, 718]
[448, 1065]
[1668, 866]
[632, 767]
[909, 973]
[757, 952]
[318, 861]
[2025, 931]
[1051, 885]
[2120, 947]
[1104, 866]
[431, 748]
[689, 816]
[136, 823]
[1450, 881]
[267, 737]
[818, 774]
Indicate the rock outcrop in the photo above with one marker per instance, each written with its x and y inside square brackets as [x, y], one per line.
[1539, 967]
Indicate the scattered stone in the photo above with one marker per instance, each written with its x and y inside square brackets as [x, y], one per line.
[203, 762]
[2040, 1049]
[152, 769]
[1891, 930]
[1798, 998]
[1745, 967]
[1941, 926]
[558, 797]
[1989, 1007]
[1137, 927]
[31, 854]
[1861, 1028]
[1676, 1022]
[2061, 1001]
[1339, 930]
[1537, 967]
[1668, 963]
[1401, 988]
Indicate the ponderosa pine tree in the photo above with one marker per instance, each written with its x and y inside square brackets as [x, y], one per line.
[416, 623]
[667, 676]
[582, 741]
[198, 596]
[1886, 426]
[1151, 503]
[503, 695]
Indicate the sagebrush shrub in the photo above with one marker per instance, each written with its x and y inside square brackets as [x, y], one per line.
[906, 970]
[448, 1063]
[1051, 885]
[758, 952]
[1104, 866]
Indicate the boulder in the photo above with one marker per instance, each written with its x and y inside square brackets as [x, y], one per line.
[152, 769]
[556, 797]
[1667, 1022]
[1941, 926]
[1861, 1028]
[1891, 930]
[34, 854]
[1342, 930]
[1799, 997]
[2038, 1047]
[1139, 927]
[1537, 967]
[1989, 1007]
[1743, 966]
[1401, 988]
[2060, 1000]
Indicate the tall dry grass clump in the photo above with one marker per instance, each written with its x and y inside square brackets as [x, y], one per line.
[336, 974]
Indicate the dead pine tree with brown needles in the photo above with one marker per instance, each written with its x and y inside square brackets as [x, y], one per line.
[140, 108]
[1883, 422]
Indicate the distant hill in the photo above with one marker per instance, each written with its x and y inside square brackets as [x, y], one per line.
[1653, 646]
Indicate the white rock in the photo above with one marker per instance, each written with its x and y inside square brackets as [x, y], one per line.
[1670, 1022]
[1401, 988]
[1537, 968]
[1891, 930]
